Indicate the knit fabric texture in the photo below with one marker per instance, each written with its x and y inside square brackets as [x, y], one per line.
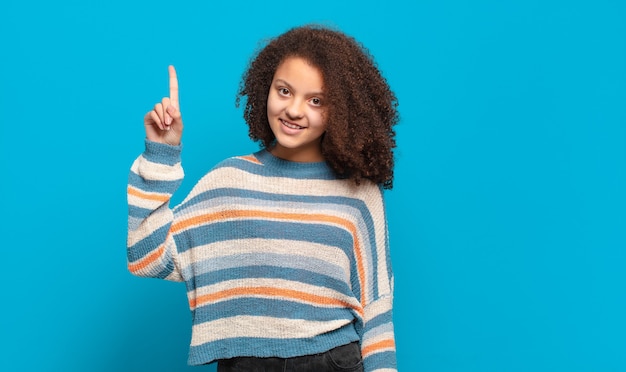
[280, 259]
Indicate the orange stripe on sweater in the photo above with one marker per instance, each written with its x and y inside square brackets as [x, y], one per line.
[211, 217]
[145, 261]
[251, 159]
[154, 197]
[380, 345]
[272, 292]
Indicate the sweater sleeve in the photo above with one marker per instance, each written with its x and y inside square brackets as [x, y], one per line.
[377, 332]
[378, 342]
[154, 177]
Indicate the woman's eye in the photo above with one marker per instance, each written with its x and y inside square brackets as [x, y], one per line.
[316, 101]
[283, 91]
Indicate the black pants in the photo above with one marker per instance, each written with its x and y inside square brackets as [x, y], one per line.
[346, 358]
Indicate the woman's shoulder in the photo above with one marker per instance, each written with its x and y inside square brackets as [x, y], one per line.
[364, 187]
[237, 162]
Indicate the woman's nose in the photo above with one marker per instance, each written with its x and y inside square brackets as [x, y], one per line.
[294, 109]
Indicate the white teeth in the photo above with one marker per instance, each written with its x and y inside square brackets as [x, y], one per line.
[292, 126]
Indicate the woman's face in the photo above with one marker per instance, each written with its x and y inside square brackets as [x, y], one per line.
[296, 111]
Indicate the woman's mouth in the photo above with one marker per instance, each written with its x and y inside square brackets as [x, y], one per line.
[290, 125]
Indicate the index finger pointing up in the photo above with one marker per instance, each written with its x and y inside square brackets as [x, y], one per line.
[173, 86]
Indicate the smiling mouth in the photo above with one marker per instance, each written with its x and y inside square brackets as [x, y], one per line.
[290, 125]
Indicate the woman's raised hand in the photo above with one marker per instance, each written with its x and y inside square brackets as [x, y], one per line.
[164, 123]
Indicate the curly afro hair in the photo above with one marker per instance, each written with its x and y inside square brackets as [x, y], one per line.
[361, 108]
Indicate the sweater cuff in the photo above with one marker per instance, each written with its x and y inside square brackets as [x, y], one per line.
[162, 153]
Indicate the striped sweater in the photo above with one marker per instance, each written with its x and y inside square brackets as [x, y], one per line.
[279, 258]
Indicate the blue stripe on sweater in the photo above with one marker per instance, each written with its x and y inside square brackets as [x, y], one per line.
[385, 359]
[271, 197]
[273, 307]
[162, 153]
[274, 272]
[265, 229]
[380, 319]
[294, 261]
[167, 270]
[138, 212]
[288, 170]
[166, 187]
[270, 347]
[147, 244]
[382, 329]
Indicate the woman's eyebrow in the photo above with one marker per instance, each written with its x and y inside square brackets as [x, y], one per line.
[283, 82]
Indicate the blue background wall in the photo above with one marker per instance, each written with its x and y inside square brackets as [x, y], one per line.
[507, 218]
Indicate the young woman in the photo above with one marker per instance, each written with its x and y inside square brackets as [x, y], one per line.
[284, 252]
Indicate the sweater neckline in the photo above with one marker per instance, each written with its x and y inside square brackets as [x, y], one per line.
[294, 169]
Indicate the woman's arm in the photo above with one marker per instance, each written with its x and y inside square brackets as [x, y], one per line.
[154, 177]
[377, 333]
